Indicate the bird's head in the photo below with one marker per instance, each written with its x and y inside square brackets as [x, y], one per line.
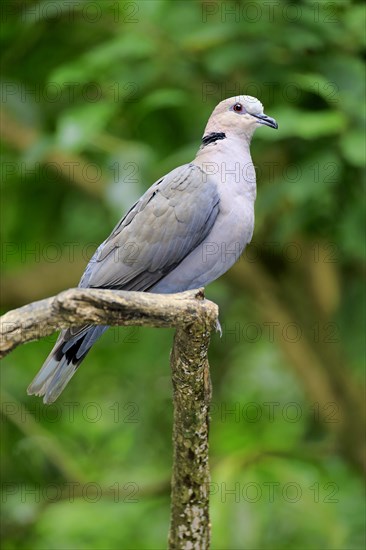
[240, 116]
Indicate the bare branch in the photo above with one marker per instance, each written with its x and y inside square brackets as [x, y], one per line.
[75, 307]
[190, 524]
[194, 317]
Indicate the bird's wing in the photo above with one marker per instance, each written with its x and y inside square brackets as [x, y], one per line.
[169, 221]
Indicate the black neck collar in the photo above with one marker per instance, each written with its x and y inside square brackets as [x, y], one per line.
[212, 138]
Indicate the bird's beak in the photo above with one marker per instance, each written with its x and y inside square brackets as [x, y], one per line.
[267, 120]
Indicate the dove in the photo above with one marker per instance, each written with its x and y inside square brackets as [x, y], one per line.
[184, 232]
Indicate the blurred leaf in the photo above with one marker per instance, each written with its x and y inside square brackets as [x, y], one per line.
[346, 74]
[353, 147]
[163, 98]
[308, 125]
[318, 84]
[354, 20]
[115, 51]
[79, 126]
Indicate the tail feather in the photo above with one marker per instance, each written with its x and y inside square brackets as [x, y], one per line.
[63, 361]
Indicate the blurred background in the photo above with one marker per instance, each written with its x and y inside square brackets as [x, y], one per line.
[99, 99]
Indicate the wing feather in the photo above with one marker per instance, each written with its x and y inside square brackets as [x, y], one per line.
[169, 221]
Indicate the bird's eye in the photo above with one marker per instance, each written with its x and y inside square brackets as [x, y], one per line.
[238, 107]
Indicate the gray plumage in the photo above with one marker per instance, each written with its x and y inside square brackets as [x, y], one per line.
[184, 232]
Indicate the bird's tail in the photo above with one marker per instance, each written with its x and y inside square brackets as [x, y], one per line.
[69, 351]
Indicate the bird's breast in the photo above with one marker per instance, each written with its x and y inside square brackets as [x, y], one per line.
[232, 231]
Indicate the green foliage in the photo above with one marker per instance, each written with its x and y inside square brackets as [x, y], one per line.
[101, 99]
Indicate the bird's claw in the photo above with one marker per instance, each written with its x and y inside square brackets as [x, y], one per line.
[218, 328]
